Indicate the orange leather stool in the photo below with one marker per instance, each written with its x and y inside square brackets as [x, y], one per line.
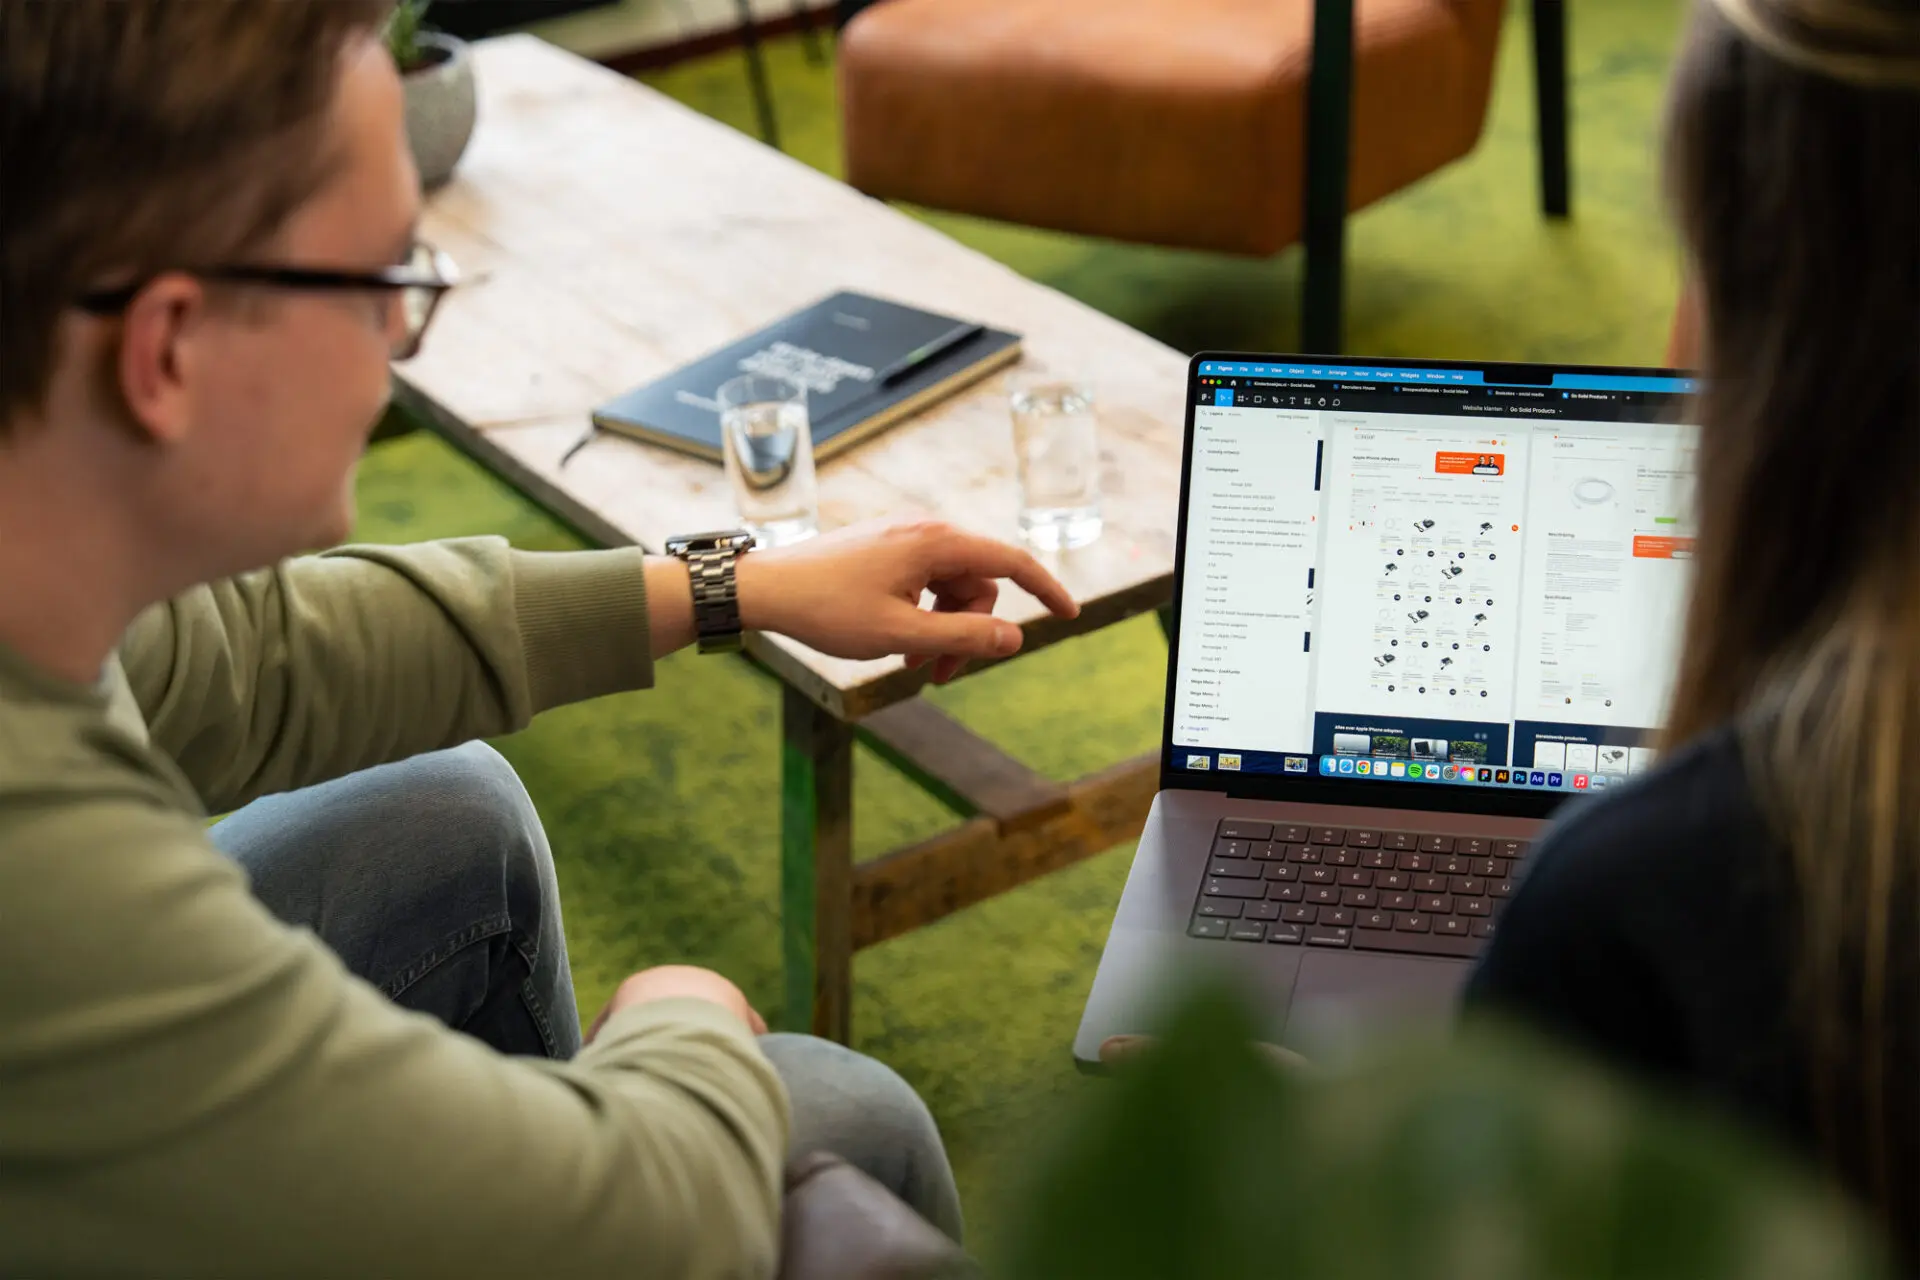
[1179, 122]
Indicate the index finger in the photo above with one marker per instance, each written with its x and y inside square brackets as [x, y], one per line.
[961, 554]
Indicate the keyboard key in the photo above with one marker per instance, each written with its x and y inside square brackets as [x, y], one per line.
[1436, 844]
[1398, 901]
[1399, 840]
[1329, 835]
[1266, 850]
[1239, 830]
[1324, 893]
[1501, 889]
[1342, 858]
[1285, 893]
[1412, 922]
[1319, 875]
[1208, 929]
[1222, 908]
[1489, 868]
[1302, 853]
[1416, 943]
[1453, 865]
[1430, 884]
[1483, 928]
[1473, 906]
[1378, 859]
[1394, 880]
[1261, 910]
[1225, 848]
[1358, 878]
[1376, 920]
[1510, 848]
[1289, 833]
[1284, 933]
[1415, 862]
[1473, 847]
[1366, 898]
[1341, 916]
[1320, 936]
[1300, 914]
[1235, 868]
[1451, 926]
[1248, 931]
[1235, 889]
[1472, 886]
[1282, 871]
[1435, 904]
[1363, 839]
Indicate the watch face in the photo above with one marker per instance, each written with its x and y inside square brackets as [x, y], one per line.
[723, 540]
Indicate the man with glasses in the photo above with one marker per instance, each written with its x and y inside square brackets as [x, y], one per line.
[213, 1054]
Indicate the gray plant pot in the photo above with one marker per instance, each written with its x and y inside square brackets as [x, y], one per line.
[440, 109]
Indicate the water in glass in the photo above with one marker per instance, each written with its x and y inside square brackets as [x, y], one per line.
[768, 448]
[1058, 451]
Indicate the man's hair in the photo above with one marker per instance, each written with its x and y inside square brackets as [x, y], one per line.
[139, 136]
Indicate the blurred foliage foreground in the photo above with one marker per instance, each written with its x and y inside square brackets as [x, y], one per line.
[1491, 1157]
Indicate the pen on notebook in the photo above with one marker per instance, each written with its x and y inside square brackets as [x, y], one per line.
[928, 352]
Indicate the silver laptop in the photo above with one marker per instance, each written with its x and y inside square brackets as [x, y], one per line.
[1417, 607]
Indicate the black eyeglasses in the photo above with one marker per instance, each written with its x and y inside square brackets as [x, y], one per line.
[422, 282]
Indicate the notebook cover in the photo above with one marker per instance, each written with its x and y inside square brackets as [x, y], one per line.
[837, 348]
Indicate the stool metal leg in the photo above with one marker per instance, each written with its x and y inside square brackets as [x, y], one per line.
[1550, 99]
[1324, 230]
[757, 74]
[809, 33]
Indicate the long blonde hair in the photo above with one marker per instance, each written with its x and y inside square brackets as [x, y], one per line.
[1794, 160]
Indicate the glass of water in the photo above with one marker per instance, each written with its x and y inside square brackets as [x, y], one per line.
[767, 444]
[1057, 450]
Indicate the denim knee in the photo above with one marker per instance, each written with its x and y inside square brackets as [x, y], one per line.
[861, 1110]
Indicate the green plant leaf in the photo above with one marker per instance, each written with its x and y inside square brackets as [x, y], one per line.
[403, 33]
[1489, 1157]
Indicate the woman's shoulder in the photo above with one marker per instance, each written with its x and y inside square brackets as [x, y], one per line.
[1699, 804]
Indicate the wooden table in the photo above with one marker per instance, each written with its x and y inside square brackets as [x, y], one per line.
[614, 235]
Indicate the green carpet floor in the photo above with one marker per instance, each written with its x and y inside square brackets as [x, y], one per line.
[663, 807]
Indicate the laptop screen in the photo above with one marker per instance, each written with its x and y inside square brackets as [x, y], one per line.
[1429, 575]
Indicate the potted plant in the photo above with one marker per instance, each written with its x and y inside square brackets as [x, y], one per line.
[437, 70]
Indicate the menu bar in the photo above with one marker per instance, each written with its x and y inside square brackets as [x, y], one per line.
[1458, 377]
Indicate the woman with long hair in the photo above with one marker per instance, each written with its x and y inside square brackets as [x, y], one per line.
[1744, 923]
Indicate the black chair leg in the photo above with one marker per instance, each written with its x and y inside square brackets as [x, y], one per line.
[757, 75]
[809, 33]
[1329, 124]
[1550, 97]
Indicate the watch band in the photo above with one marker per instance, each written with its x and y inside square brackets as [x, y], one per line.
[716, 598]
[711, 559]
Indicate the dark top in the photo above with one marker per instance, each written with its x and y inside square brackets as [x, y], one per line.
[1656, 927]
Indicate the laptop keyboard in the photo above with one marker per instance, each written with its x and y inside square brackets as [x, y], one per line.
[1365, 889]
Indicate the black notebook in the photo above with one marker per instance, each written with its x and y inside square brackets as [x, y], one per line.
[841, 349]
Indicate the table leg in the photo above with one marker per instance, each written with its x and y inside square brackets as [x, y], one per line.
[757, 75]
[816, 868]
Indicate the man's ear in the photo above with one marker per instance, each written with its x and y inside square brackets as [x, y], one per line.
[159, 350]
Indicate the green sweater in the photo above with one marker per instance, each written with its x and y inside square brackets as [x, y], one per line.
[188, 1087]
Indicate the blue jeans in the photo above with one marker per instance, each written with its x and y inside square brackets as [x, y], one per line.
[432, 880]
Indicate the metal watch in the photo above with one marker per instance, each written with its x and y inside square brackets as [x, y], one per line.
[710, 561]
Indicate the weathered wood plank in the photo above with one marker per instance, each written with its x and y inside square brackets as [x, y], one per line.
[960, 768]
[935, 878]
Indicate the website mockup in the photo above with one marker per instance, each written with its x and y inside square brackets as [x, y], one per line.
[1419, 574]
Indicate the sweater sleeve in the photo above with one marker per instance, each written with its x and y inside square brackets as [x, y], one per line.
[1564, 961]
[194, 1089]
[333, 663]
